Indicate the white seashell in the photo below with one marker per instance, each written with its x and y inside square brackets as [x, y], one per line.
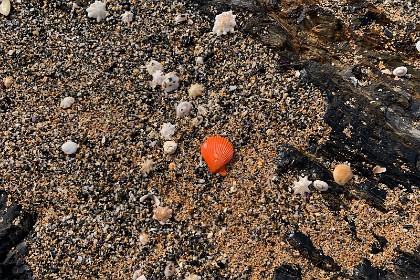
[69, 147]
[169, 147]
[199, 60]
[5, 7]
[183, 109]
[302, 186]
[167, 130]
[171, 82]
[400, 71]
[66, 102]
[195, 90]
[158, 77]
[127, 17]
[8, 81]
[320, 185]
[378, 169]
[152, 66]
[169, 269]
[97, 10]
[224, 23]
[181, 18]
[418, 45]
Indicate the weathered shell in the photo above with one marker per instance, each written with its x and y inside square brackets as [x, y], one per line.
[342, 174]
[320, 185]
[66, 102]
[152, 66]
[183, 109]
[162, 214]
[8, 81]
[167, 130]
[169, 147]
[158, 77]
[69, 147]
[400, 71]
[217, 152]
[171, 82]
[127, 17]
[378, 169]
[5, 7]
[195, 90]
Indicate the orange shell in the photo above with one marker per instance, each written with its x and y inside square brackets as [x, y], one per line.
[217, 152]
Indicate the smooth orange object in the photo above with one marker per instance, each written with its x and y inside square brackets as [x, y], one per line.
[217, 152]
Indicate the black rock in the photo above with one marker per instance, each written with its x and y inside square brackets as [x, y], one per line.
[365, 271]
[407, 265]
[379, 245]
[287, 272]
[374, 196]
[306, 248]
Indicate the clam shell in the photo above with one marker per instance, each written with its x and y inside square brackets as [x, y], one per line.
[217, 152]
[5, 7]
[342, 174]
[69, 147]
[400, 71]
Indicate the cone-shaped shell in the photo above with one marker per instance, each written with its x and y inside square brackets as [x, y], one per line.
[217, 152]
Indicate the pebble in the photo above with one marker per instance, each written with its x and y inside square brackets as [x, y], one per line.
[69, 147]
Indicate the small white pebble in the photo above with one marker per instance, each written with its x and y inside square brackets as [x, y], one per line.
[418, 45]
[232, 88]
[69, 147]
[400, 71]
[169, 147]
[171, 81]
[320, 185]
[199, 60]
[66, 102]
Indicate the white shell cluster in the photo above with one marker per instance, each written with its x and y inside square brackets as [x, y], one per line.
[5, 7]
[127, 17]
[167, 131]
[400, 71]
[152, 66]
[97, 10]
[224, 23]
[171, 82]
[69, 147]
[195, 90]
[183, 109]
[66, 102]
[169, 147]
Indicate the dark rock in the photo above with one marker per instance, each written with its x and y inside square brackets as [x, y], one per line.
[287, 272]
[304, 245]
[12, 233]
[374, 196]
[365, 271]
[379, 245]
[407, 265]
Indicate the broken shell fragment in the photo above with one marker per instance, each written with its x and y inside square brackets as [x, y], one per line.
[217, 152]
[66, 102]
[183, 109]
[400, 71]
[169, 147]
[320, 185]
[195, 90]
[8, 81]
[378, 169]
[152, 66]
[69, 147]
[162, 214]
[5, 7]
[342, 174]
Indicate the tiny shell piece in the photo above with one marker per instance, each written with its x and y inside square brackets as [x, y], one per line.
[199, 60]
[144, 238]
[320, 185]
[127, 17]
[97, 10]
[197, 121]
[342, 174]
[302, 186]
[183, 109]
[169, 147]
[66, 102]
[195, 90]
[69, 147]
[418, 45]
[5, 7]
[167, 130]
[224, 23]
[152, 66]
[400, 71]
[162, 214]
[169, 269]
[158, 77]
[171, 82]
[378, 169]
[147, 166]
[181, 18]
[8, 81]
